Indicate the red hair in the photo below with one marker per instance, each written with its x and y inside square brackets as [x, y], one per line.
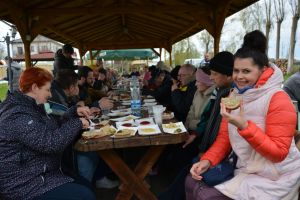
[34, 75]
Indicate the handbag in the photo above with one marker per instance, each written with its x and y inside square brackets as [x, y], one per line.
[221, 172]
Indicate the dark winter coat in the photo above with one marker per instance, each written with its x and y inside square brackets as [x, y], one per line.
[61, 62]
[31, 144]
[182, 101]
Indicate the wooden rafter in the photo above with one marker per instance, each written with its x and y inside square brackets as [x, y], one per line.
[126, 9]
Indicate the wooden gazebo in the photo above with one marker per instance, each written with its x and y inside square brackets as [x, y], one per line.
[118, 24]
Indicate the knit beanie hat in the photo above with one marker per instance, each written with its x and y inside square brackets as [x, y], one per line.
[202, 77]
[222, 62]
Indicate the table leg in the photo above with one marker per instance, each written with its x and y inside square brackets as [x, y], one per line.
[126, 175]
[141, 170]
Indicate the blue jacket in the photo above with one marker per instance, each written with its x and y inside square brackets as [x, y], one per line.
[31, 144]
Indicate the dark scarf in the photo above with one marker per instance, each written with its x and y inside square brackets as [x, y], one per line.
[213, 124]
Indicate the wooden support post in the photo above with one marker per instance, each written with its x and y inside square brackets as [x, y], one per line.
[170, 58]
[216, 43]
[91, 57]
[160, 54]
[27, 54]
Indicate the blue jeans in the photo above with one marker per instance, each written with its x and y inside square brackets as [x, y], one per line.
[87, 163]
[78, 190]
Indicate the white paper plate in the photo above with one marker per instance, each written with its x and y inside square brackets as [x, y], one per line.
[122, 110]
[149, 103]
[141, 122]
[149, 100]
[172, 127]
[126, 118]
[149, 130]
[126, 103]
[123, 127]
[117, 114]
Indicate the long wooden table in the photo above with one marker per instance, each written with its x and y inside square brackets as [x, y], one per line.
[132, 180]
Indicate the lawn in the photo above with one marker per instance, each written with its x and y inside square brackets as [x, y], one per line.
[3, 91]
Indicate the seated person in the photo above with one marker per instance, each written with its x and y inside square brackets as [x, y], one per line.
[90, 96]
[65, 91]
[101, 83]
[260, 132]
[161, 88]
[292, 87]
[32, 142]
[183, 91]
[205, 87]
[134, 72]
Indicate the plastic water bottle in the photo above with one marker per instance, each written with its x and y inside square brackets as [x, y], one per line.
[135, 96]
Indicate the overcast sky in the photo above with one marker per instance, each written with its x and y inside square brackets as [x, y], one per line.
[232, 28]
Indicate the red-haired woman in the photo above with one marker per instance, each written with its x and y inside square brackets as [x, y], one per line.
[31, 143]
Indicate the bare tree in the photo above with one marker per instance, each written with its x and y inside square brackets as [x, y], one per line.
[251, 17]
[295, 8]
[268, 6]
[280, 14]
[206, 39]
[2, 51]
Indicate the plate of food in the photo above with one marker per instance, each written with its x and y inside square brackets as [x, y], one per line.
[129, 123]
[124, 132]
[144, 121]
[168, 115]
[174, 128]
[98, 133]
[126, 118]
[101, 124]
[149, 130]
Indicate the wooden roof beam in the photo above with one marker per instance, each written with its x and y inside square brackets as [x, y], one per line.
[126, 44]
[62, 34]
[219, 19]
[177, 37]
[124, 9]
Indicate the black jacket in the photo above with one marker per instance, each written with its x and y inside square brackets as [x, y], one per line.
[182, 101]
[31, 144]
[61, 62]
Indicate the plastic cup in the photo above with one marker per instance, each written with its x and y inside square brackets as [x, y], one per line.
[150, 110]
[158, 118]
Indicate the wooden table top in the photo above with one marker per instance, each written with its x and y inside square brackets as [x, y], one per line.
[135, 141]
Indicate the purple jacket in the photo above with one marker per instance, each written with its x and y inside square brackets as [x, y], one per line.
[31, 144]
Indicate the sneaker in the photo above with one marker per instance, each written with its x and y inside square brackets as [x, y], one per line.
[106, 183]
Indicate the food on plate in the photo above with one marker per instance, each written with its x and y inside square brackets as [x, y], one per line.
[127, 124]
[144, 122]
[129, 118]
[148, 130]
[124, 133]
[178, 130]
[124, 97]
[171, 125]
[101, 124]
[98, 126]
[231, 103]
[104, 131]
[167, 115]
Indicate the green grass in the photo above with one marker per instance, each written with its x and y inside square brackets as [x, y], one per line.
[3, 91]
